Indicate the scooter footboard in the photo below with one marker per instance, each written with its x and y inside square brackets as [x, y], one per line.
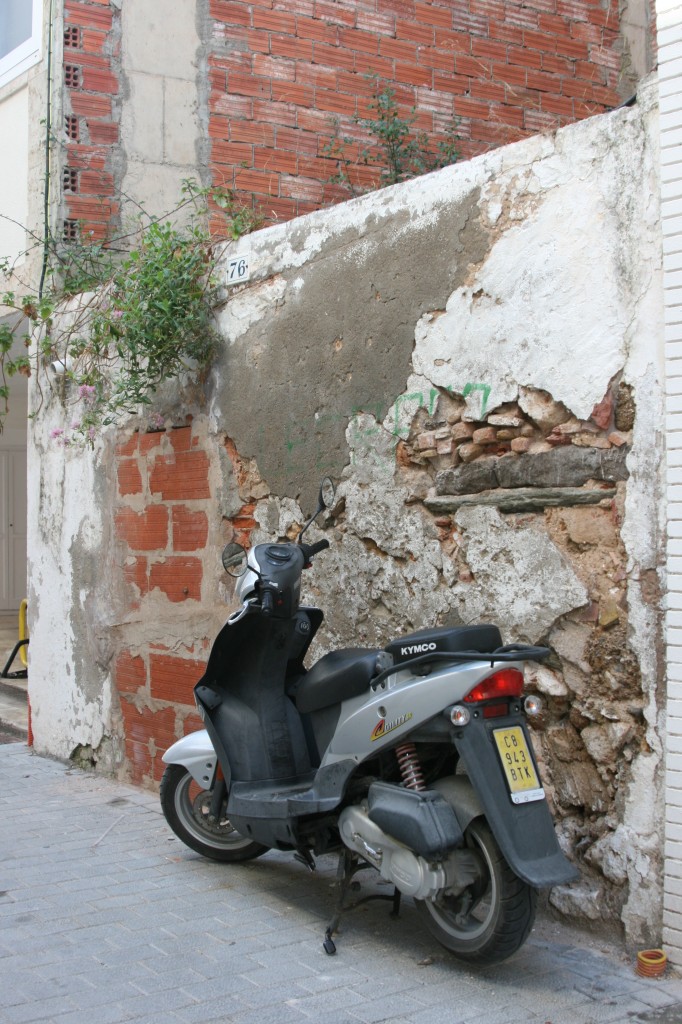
[524, 831]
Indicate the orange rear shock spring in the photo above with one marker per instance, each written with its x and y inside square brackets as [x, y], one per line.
[410, 768]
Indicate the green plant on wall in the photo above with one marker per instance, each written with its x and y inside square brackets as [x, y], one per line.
[120, 323]
[397, 152]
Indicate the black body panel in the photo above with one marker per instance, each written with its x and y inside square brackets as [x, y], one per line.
[445, 640]
[525, 832]
[422, 820]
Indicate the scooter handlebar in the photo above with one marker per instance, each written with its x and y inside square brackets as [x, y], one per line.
[313, 549]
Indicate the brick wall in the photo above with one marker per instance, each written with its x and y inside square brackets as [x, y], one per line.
[669, 16]
[282, 70]
[162, 531]
[91, 112]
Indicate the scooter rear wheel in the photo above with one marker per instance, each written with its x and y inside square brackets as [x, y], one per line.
[491, 919]
[186, 808]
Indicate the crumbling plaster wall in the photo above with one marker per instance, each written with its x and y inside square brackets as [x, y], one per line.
[475, 356]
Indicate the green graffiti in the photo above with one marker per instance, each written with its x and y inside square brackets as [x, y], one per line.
[485, 390]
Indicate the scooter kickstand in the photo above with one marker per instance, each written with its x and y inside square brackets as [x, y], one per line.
[306, 858]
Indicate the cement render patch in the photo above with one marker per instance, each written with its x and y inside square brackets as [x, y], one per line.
[103, 915]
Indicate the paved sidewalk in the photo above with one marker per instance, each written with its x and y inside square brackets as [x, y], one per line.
[104, 916]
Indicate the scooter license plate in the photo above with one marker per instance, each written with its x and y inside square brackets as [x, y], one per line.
[519, 769]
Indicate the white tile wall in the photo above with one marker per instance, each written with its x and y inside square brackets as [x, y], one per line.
[669, 24]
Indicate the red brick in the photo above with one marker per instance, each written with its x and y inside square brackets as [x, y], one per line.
[143, 531]
[274, 21]
[430, 15]
[333, 56]
[100, 81]
[543, 82]
[414, 74]
[248, 131]
[369, 64]
[298, 188]
[441, 60]
[87, 16]
[320, 31]
[277, 113]
[291, 47]
[247, 85]
[146, 730]
[562, 105]
[421, 34]
[398, 49]
[191, 723]
[96, 183]
[335, 103]
[84, 105]
[293, 92]
[281, 161]
[178, 578]
[488, 49]
[231, 152]
[92, 41]
[103, 132]
[494, 91]
[335, 13]
[525, 58]
[354, 39]
[173, 678]
[470, 108]
[298, 141]
[129, 479]
[540, 41]
[275, 68]
[275, 208]
[475, 67]
[183, 476]
[130, 673]
[229, 12]
[510, 74]
[190, 529]
[258, 182]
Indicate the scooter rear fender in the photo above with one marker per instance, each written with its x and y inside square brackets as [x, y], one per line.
[524, 832]
[195, 753]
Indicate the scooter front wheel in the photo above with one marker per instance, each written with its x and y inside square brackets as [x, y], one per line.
[491, 919]
[186, 807]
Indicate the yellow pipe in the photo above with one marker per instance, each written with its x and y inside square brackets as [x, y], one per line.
[23, 631]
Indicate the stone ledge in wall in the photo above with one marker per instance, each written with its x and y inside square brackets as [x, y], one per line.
[529, 499]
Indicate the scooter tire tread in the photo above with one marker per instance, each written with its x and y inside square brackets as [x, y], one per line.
[513, 921]
[172, 778]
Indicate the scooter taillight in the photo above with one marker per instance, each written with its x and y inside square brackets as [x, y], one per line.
[506, 682]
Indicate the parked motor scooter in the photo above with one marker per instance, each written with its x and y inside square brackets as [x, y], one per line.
[414, 760]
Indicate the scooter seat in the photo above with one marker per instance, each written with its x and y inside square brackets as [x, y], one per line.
[336, 677]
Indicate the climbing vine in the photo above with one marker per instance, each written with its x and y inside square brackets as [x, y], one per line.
[396, 151]
[118, 320]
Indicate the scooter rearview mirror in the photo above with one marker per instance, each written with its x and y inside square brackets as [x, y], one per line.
[234, 559]
[327, 493]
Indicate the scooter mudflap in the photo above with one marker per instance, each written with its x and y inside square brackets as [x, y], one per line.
[328, 944]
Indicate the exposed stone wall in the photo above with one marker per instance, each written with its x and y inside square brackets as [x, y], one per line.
[475, 357]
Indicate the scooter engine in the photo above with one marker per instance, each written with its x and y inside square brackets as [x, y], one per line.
[411, 874]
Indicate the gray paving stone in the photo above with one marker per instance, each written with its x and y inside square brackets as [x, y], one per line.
[126, 925]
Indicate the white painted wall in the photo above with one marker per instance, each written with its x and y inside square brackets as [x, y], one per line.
[669, 22]
[14, 132]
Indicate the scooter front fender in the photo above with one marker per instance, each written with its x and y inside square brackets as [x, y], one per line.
[524, 832]
[195, 753]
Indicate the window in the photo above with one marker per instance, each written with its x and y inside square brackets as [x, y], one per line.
[20, 35]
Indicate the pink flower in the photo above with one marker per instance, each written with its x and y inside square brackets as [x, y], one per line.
[56, 432]
[88, 393]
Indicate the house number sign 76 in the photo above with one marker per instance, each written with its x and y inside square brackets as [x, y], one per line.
[238, 270]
